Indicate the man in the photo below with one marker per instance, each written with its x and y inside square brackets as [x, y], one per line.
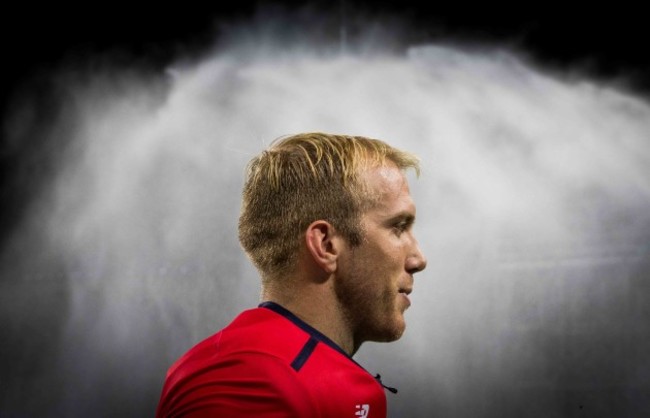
[327, 220]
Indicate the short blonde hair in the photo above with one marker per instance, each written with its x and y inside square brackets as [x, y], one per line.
[303, 178]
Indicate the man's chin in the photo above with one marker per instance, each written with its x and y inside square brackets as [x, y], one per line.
[392, 333]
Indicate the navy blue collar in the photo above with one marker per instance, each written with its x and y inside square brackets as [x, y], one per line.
[313, 332]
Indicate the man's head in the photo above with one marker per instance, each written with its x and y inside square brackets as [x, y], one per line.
[304, 178]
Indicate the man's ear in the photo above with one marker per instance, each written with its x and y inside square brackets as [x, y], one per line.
[323, 245]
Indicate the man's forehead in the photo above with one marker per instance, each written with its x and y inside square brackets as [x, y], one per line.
[388, 188]
[385, 179]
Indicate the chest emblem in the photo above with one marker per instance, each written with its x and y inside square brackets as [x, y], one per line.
[362, 410]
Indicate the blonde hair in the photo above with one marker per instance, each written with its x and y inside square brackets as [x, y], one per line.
[303, 178]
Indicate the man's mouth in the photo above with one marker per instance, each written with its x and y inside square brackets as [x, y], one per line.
[405, 292]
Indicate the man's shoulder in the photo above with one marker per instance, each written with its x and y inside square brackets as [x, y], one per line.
[254, 332]
[241, 366]
[256, 337]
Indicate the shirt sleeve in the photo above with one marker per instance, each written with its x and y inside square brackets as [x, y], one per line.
[245, 385]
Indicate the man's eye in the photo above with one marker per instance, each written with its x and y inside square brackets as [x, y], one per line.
[401, 227]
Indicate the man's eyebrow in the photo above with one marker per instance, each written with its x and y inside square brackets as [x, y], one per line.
[406, 217]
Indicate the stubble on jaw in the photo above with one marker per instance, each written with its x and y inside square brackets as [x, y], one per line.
[368, 315]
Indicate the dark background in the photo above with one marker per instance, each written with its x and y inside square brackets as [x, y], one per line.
[605, 41]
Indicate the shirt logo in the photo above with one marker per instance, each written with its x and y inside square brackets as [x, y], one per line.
[362, 410]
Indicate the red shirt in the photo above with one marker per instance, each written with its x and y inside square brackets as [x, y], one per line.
[269, 363]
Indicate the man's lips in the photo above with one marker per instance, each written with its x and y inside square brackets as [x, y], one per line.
[405, 292]
[406, 288]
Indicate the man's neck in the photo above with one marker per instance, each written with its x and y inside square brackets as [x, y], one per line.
[317, 305]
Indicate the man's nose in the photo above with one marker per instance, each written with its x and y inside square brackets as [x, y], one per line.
[417, 261]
